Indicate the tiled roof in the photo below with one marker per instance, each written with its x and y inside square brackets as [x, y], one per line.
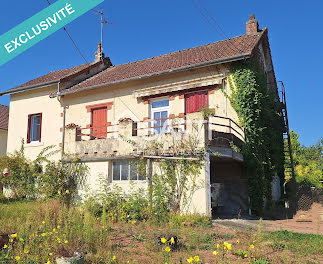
[55, 75]
[4, 117]
[240, 45]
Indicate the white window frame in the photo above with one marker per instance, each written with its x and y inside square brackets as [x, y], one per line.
[129, 171]
[158, 109]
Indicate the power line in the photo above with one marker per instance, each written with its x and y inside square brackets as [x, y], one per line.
[68, 34]
[215, 25]
[208, 13]
[212, 18]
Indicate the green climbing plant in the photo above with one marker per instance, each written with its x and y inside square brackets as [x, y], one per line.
[260, 114]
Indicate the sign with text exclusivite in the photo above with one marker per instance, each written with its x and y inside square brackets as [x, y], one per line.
[41, 25]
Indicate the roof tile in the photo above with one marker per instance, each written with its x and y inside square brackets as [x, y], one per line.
[222, 49]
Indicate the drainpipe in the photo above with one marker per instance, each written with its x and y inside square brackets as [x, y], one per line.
[208, 185]
[59, 98]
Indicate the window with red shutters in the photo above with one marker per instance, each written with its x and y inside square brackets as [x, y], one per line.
[196, 101]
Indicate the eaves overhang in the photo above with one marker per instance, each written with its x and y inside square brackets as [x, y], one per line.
[30, 88]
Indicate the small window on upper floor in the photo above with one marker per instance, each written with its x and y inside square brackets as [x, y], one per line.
[34, 128]
[159, 115]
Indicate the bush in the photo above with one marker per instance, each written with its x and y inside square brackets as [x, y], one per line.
[22, 174]
[41, 177]
[62, 179]
[111, 204]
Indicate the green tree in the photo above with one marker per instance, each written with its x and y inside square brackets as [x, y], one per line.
[308, 161]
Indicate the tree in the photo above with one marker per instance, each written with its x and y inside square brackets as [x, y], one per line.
[308, 161]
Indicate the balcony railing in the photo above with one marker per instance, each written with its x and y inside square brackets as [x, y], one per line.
[149, 128]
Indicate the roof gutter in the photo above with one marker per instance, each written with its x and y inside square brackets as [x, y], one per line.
[180, 69]
[29, 88]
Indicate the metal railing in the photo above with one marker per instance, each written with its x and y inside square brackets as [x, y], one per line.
[148, 127]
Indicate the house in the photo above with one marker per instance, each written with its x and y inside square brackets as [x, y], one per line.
[4, 117]
[85, 109]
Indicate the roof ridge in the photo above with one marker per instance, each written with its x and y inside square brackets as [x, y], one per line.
[67, 68]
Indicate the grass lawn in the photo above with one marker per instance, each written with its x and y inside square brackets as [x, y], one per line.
[45, 231]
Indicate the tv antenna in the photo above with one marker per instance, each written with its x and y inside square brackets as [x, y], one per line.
[103, 22]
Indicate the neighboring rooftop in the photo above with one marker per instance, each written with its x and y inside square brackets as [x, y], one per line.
[4, 117]
[57, 76]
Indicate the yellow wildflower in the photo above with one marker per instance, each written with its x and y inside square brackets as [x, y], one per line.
[17, 258]
[167, 249]
[58, 227]
[163, 240]
[43, 222]
[51, 254]
[21, 240]
[43, 234]
[238, 241]
[26, 251]
[227, 246]
[245, 255]
[5, 246]
[172, 241]
[197, 258]
[114, 258]
[215, 252]
[67, 191]
[10, 240]
[14, 235]
[252, 246]
[48, 262]
[65, 241]
[218, 245]
[190, 260]
[54, 229]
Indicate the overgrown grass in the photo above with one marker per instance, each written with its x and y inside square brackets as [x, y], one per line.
[303, 244]
[48, 230]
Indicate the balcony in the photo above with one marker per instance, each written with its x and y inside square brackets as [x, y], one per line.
[129, 138]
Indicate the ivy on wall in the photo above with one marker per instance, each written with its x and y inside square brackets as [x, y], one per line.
[260, 114]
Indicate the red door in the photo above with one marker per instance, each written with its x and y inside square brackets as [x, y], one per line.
[196, 101]
[99, 122]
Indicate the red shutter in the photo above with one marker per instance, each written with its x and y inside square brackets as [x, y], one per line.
[99, 122]
[28, 129]
[40, 125]
[196, 101]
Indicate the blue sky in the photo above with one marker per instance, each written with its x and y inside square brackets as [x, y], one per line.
[144, 29]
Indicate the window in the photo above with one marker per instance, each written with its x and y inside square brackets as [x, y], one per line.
[34, 128]
[196, 101]
[126, 171]
[159, 116]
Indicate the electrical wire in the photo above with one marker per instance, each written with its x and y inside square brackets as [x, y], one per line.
[214, 25]
[69, 35]
[220, 28]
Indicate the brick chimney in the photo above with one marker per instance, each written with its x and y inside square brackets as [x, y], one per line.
[252, 26]
[99, 55]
